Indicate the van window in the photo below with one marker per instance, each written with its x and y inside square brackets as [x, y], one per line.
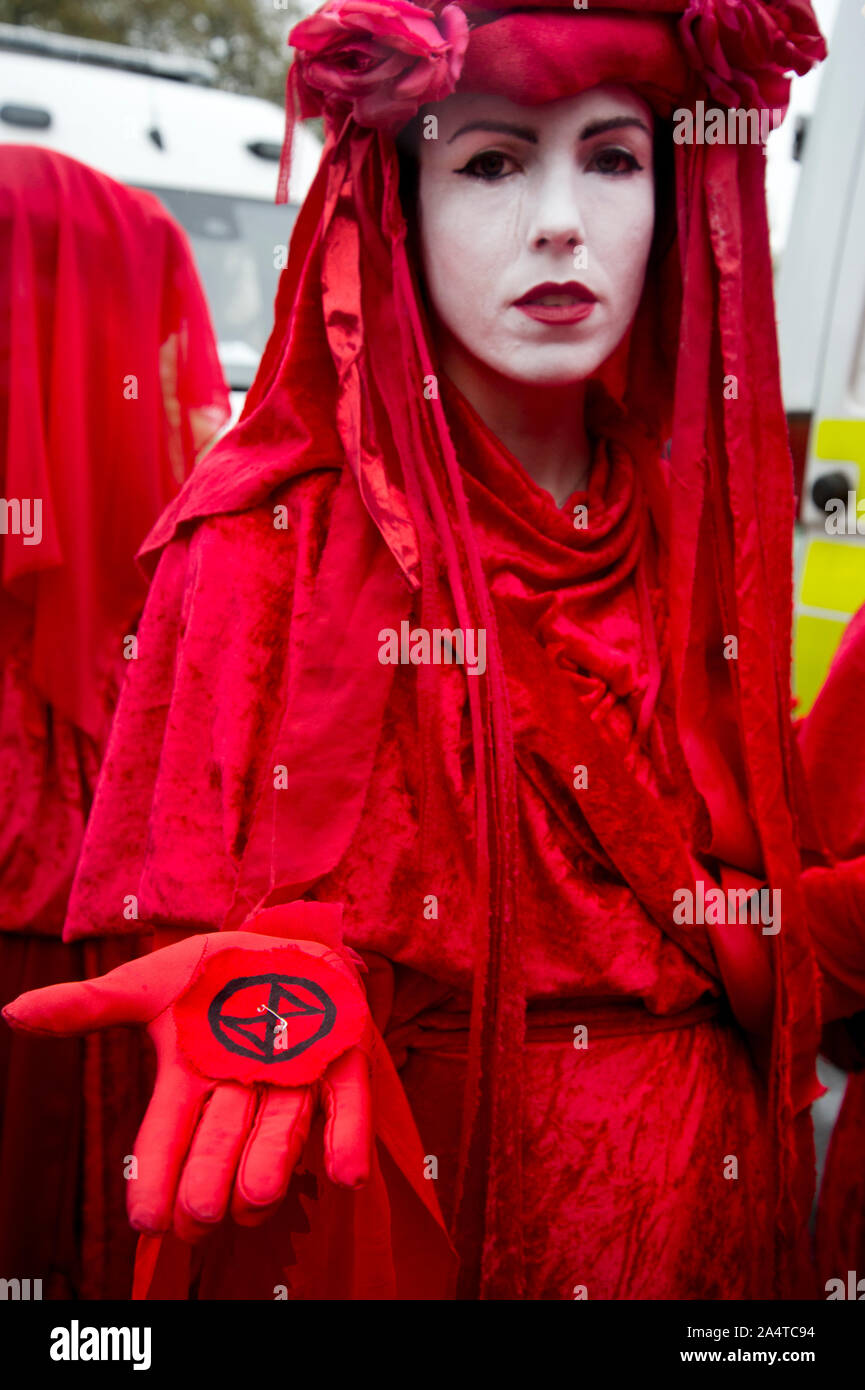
[239, 247]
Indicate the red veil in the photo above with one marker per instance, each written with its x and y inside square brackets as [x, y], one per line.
[110, 405]
[349, 373]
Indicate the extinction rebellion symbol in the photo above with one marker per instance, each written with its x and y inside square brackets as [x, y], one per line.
[272, 1018]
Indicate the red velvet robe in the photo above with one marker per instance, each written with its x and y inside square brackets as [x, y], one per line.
[613, 1192]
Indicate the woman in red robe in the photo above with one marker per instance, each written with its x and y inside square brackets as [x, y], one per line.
[477, 629]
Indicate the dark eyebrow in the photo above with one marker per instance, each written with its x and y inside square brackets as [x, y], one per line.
[522, 132]
[526, 133]
[612, 123]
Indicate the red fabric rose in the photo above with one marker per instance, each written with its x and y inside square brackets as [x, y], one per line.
[383, 59]
[744, 48]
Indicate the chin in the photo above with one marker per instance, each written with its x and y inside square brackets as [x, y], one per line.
[559, 366]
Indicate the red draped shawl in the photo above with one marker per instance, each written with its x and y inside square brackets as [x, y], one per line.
[182, 835]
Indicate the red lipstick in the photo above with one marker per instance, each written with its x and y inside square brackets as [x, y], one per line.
[563, 303]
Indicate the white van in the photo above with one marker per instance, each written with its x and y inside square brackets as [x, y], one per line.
[154, 121]
[820, 292]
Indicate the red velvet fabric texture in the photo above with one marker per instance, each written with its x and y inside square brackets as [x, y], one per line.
[210, 704]
[337, 383]
[97, 285]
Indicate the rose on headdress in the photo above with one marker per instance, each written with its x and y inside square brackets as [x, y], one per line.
[384, 60]
[744, 48]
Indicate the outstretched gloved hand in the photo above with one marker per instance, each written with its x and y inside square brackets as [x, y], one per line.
[253, 1034]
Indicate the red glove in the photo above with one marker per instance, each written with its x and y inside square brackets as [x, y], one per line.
[252, 1034]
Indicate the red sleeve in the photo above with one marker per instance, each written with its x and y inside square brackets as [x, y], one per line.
[834, 882]
[196, 722]
[196, 719]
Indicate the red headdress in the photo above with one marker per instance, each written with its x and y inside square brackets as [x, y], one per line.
[344, 373]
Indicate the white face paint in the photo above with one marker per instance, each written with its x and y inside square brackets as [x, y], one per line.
[504, 209]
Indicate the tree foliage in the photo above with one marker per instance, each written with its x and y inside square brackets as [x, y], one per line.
[245, 39]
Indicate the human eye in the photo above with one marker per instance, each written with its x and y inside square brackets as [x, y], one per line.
[614, 160]
[487, 166]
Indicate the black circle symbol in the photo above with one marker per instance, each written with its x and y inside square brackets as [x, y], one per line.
[272, 1000]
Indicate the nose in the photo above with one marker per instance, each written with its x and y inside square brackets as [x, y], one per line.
[556, 221]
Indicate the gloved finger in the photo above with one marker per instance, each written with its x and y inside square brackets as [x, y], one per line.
[273, 1152]
[134, 992]
[161, 1146]
[347, 1100]
[208, 1173]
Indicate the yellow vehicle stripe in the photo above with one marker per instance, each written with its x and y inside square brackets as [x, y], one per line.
[834, 576]
[843, 440]
[815, 642]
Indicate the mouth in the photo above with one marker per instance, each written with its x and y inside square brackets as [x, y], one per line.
[549, 293]
[552, 303]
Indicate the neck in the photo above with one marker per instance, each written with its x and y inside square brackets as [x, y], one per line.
[542, 426]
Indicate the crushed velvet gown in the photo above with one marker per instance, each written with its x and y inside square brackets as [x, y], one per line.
[646, 1137]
